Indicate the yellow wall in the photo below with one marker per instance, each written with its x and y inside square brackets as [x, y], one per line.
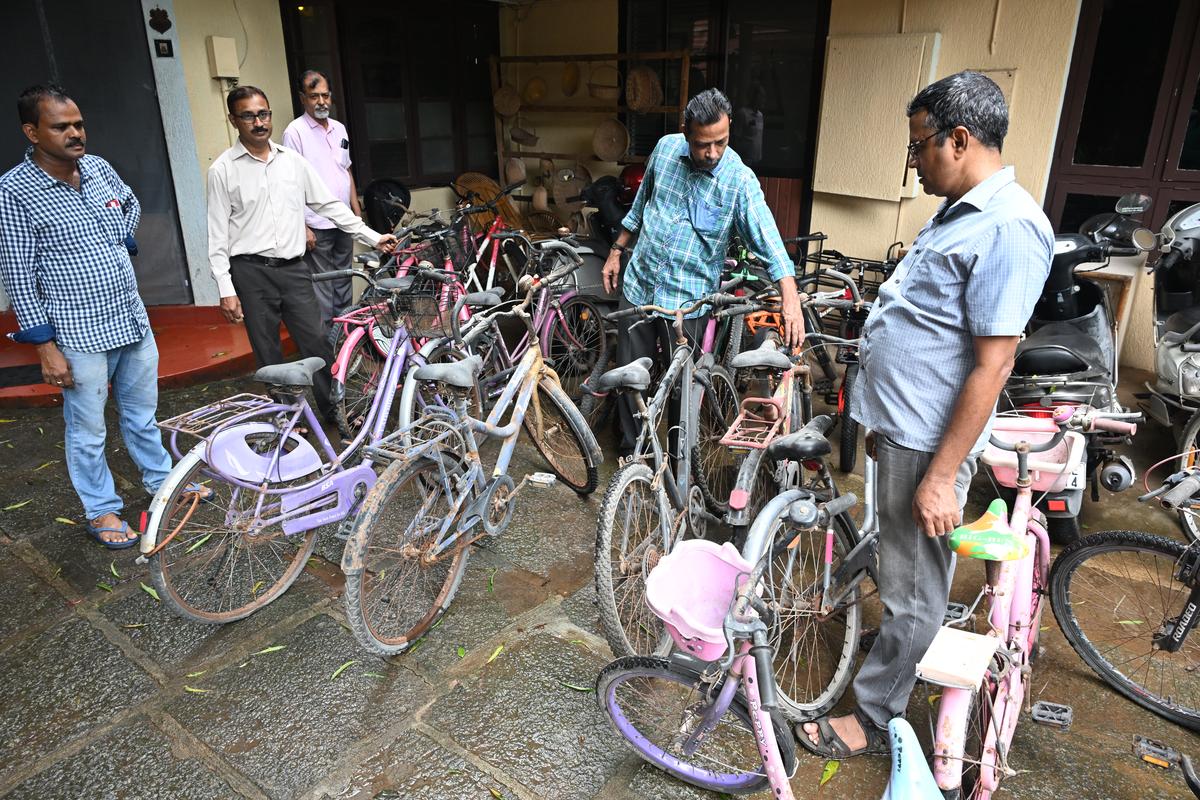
[1032, 36]
[263, 64]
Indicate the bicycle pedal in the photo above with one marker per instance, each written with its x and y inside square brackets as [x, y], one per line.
[543, 480]
[344, 529]
[956, 614]
[1156, 753]
[1052, 715]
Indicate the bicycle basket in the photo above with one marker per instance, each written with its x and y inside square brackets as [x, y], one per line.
[691, 590]
[425, 309]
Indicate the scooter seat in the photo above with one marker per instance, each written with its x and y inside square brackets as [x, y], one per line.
[1182, 321]
[1058, 348]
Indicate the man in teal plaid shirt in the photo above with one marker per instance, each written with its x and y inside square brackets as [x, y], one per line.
[696, 194]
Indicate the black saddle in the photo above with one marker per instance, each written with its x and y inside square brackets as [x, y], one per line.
[807, 443]
[396, 284]
[482, 299]
[1182, 321]
[631, 376]
[461, 374]
[1058, 348]
[294, 373]
[765, 356]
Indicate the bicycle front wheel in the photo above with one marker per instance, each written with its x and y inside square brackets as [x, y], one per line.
[1112, 592]
[215, 568]
[630, 541]
[397, 584]
[563, 438]
[715, 466]
[655, 705]
[354, 390]
[578, 344]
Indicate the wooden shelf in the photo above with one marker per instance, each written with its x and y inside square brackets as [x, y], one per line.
[570, 156]
[601, 109]
[662, 55]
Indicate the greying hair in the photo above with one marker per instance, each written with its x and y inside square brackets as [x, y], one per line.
[969, 99]
[706, 108]
[29, 101]
[310, 78]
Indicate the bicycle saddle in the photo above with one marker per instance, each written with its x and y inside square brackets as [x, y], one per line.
[910, 778]
[765, 356]
[631, 376]
[455, 373]
[482, 299]
[807, 443]
[989, 537]
[396, 284]
[295, 373]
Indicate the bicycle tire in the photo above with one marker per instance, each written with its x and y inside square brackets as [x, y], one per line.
[1140, 558]
[356, 389]
[632, 691]
[392, 533]
[574, 363]
[814, 655]
[848, 435]
[631, 510]
[1188, 519]
[714, 466]
[562, 436]
[205, 543]
[733, 345]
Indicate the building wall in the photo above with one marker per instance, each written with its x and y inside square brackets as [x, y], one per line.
[1032, 36]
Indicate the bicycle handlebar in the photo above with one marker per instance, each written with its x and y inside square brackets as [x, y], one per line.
[1175, 498]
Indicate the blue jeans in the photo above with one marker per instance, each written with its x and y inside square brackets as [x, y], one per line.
[133, 372]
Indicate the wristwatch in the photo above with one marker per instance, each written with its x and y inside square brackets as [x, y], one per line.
[620, 248]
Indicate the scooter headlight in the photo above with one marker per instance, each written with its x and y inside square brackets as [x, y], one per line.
[1189, 376]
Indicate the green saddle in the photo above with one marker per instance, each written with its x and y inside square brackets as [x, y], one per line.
[989, 537]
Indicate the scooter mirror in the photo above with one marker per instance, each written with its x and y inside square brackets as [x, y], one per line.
[1144, 239]
[1133, 204]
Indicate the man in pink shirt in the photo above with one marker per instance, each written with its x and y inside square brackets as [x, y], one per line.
[324, 144]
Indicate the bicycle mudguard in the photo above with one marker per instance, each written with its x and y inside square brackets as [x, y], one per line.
[343, 356]
[230, 453]
[910, 778]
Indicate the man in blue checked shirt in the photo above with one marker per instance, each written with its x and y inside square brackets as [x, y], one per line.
[695, 196]
[935, 353]
[66, 231]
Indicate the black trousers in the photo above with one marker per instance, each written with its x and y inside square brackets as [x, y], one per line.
[270, 295]
[654, 338]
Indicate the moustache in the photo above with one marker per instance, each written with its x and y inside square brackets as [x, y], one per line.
[258, 130]
[76, 142]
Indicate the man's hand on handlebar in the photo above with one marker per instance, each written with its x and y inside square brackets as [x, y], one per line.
[386, 244]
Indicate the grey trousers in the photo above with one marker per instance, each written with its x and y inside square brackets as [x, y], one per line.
[914, 582]
[333, 251]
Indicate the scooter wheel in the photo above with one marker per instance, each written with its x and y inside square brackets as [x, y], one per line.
[1063, 530]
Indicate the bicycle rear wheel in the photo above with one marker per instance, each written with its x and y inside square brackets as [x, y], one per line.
[396, 586]
[848, 433]
[715, 466]
[355, 390]
[563, 438]
[1112, 592]
[814, 653]
[655, 704]
[578, 344]
[629, 543]
[212, 569]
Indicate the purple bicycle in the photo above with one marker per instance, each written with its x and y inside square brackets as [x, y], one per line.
[232, 526]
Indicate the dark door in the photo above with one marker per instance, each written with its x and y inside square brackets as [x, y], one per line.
[98, 53]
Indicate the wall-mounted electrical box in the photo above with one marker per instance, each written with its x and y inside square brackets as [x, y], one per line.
[222, 57]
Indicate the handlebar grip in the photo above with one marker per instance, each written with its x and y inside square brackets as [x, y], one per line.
[337, 274]
[732, 284]
[812, 237]
[1123, 251]
[767, 694]
[1114, 426]
[624, 313]
[734, 311]
[840, 504]
[1169, 260]
[723, 299]
[1175, 498]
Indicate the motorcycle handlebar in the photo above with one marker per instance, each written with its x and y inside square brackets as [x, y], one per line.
[1114, 426]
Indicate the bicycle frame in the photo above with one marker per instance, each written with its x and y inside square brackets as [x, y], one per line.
[681, 371]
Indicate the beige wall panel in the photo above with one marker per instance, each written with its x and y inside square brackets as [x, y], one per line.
[263, 64]
[855, 226]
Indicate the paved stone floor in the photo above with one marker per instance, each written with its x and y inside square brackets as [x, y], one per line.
[106, 694]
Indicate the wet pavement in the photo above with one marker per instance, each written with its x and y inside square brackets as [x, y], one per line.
[108, 694]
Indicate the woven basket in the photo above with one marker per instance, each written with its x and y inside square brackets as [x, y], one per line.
[605, 82]
[506, 101]
[570, 79]
[522, 136]
[487, 189]
[514, 170]
[534, 90]
[610, 140]
[643, 91]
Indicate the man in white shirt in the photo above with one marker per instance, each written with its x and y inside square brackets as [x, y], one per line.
[323, 142]
[257, 192]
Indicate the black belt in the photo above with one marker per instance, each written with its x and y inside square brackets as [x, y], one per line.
[270, 262]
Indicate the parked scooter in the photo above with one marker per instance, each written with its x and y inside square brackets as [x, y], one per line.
[1174, 399]
[1069, 357]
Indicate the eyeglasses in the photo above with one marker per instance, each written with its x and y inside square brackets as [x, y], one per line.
[248, 116]
[915, 147]
[318, 95]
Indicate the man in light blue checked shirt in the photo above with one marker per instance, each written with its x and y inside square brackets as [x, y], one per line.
[936, 351]
[696, 194]
[66, 233]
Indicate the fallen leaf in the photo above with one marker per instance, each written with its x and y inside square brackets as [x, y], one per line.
[373, 675]
[492, 579]
[112, 567]
[342, 668]
[1131, 622]
[255, 588]
[496, 794]
[196, 674]
[831, 768]
[7, 420]
[416, 645]
[43, 466]
[495, 653]
[275, 648]
[244, 663]
[15, 506]
[194, 690]
[40, 431]
[65, 521]
[578, 688]
[135, 625]
[462, 651]
[151, 591]
[200, 542]
[220, 353]
[103, 585]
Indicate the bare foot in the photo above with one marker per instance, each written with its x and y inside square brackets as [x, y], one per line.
[847, 729]
[111, 520]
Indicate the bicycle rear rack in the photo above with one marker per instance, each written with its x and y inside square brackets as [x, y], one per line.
[758, 421]
[201, 421]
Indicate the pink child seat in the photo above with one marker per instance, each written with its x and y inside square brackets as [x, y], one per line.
[1048, 471]
[692, 589]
